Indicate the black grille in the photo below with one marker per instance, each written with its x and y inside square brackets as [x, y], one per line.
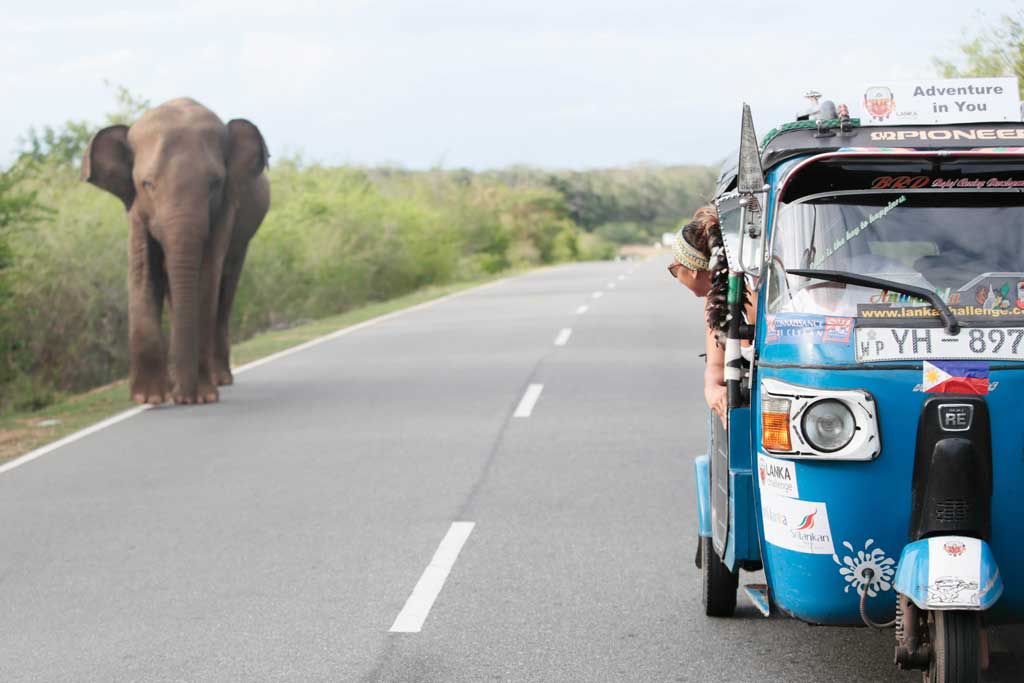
[952, 510]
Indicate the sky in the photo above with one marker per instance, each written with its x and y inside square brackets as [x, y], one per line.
[470, 83]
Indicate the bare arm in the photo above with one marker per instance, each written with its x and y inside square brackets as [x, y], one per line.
[714, 370]
[714, 375]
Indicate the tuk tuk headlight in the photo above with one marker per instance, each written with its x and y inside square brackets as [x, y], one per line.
[813, 422]
[828, 425]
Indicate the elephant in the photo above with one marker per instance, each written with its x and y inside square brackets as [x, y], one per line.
[195, 191]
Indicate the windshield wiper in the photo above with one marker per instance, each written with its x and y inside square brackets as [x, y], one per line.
[948, 319]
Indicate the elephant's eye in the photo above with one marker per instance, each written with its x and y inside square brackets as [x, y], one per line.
[147, 184]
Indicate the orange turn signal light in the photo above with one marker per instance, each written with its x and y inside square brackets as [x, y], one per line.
[775, 424]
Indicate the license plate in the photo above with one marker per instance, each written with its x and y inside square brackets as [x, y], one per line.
[903, 343]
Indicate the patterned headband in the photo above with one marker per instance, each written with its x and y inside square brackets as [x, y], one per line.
[689, 255]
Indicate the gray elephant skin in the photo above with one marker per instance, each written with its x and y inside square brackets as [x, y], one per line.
[195, 191]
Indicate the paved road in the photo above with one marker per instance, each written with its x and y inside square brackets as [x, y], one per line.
[278, 534]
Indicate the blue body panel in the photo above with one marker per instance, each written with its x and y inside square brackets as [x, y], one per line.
[702, 475]
[865, 506]
[742, 544]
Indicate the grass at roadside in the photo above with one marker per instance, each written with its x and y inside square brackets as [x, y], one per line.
[26, 431]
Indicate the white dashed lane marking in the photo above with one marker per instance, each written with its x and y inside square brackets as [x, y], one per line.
[563, 336]
[528, 401]
[417, 607]
[581, 310]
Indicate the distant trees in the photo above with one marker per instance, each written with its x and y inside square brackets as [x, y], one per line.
[995, 49]
[65, 144]
[624, 205]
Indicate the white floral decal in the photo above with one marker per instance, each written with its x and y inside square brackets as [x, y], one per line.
[853, 569]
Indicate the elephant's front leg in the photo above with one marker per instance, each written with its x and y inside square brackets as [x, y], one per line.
[148, 382]
[222, 342]
[213, 264]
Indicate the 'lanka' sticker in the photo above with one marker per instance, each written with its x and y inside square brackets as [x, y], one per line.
[777, 476]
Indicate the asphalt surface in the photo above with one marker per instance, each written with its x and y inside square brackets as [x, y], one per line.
[278, 534]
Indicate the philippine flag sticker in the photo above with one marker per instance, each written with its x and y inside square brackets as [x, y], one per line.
[955, 377]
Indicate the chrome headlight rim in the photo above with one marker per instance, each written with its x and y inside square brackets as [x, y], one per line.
[849, 416]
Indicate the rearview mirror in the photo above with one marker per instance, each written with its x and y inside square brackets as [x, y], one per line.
[750, 177]
[751, 186]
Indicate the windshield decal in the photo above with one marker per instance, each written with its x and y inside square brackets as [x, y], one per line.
[850, 234]
[887, 312]
[977, 183]
[807, 328]
[919, 182]
[886, 297]
[986, 297]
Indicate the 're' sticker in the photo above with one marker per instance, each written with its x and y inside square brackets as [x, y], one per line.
[777, 476]
[798, 525]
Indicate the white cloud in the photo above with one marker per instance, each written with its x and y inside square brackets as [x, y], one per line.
[100, 65]
[283, 63]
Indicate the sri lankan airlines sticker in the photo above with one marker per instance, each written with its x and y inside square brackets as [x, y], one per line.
[777, 476]
[798, 525]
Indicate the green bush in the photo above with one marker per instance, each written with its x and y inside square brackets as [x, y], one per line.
[623, 233]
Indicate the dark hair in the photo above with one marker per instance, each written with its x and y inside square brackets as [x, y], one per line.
[697, 237]
[717, 308]
[698, 231]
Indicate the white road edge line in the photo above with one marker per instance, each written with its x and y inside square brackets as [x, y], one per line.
[581, 310]
[50, 447]
[132, 412]
[597, 295]
[417, 607]
[563, 336]
[528, 401]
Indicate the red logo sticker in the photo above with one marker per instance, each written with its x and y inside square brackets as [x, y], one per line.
[954, 549]
[838, 330]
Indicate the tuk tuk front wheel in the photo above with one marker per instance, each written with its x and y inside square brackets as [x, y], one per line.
[956, 647]
[718, 585]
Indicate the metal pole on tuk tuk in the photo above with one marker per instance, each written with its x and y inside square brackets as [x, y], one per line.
[733, 357]
[749, 182]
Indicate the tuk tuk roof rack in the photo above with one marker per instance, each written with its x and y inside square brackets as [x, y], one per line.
[813, 137]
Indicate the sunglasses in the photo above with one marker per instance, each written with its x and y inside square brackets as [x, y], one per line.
[674, 270]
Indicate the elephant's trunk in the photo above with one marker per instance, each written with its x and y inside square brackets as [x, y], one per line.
[183, 251]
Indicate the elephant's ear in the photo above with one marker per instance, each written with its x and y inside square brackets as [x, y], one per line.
[247, 152]
[107, 163]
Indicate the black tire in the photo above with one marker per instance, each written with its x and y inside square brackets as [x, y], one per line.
[956, 647]
[719, 584]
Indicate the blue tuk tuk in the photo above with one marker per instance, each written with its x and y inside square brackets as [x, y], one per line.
[872, 455]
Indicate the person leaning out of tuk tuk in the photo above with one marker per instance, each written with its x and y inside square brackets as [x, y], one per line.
[700, 264]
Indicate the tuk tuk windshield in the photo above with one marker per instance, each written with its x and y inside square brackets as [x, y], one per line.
[967, 246]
